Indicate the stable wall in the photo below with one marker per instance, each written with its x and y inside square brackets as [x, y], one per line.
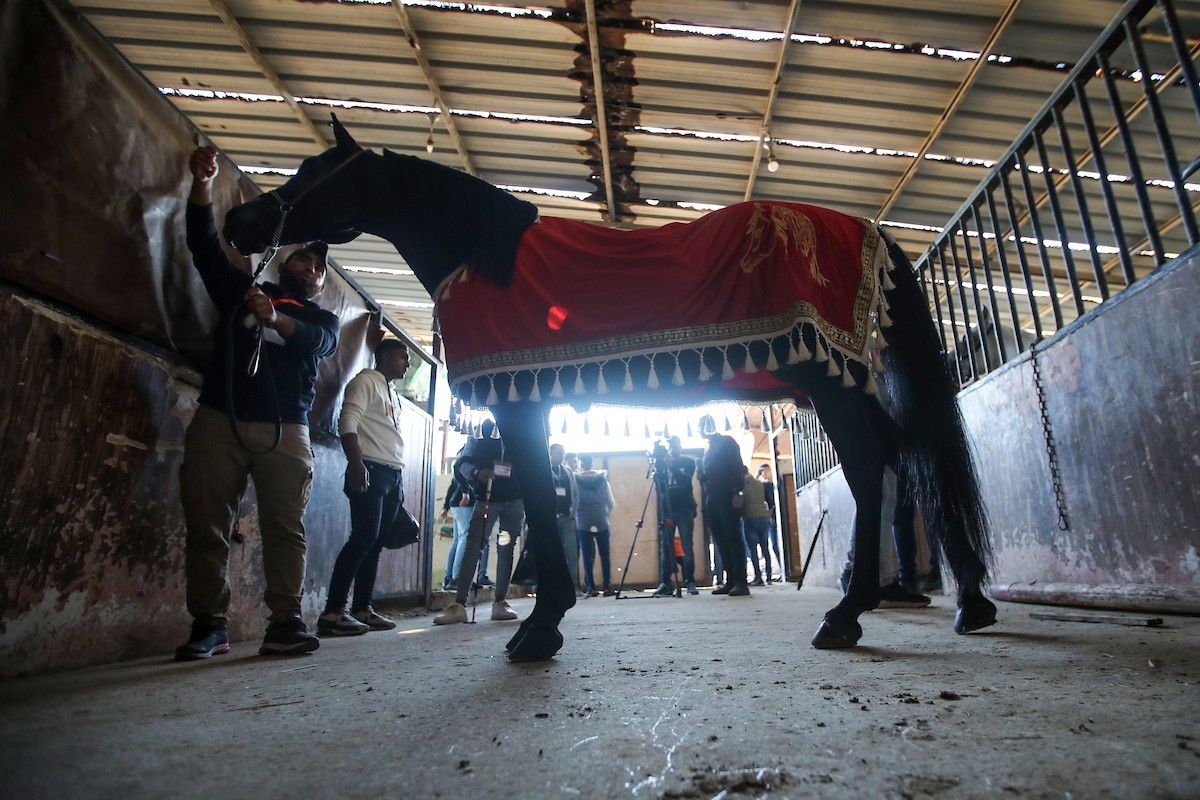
[1121, 390]
[105, 323]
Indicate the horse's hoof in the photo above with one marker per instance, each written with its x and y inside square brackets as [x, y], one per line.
[974, 613]
[832, 636]
[535, 644]
[516, 637]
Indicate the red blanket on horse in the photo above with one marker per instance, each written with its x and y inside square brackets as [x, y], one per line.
[750, 272]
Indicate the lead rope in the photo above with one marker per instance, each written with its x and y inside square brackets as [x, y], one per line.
[255, 361]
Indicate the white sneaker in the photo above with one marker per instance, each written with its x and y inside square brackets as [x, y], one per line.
[454, 613]
[502, 610]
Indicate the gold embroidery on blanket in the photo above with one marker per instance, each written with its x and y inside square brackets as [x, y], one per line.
[775, 226]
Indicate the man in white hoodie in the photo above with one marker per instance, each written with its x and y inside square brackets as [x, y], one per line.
[369, 427]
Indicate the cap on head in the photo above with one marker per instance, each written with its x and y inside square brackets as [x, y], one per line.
[318, 249]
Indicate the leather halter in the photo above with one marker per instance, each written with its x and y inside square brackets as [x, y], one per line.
[286, 207]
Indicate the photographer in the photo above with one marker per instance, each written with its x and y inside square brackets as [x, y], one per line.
[673, 473]
[482, 466]
[270, 443]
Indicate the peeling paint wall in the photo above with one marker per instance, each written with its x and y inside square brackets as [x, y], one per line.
[91, 554]
[102, 312]
[1122, 390]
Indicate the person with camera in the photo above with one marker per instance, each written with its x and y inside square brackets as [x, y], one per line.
[497, 498]
[369, 426]
[251, 424]
[673, 473]
[723, 476]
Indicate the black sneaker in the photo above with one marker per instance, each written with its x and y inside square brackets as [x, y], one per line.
[896, 596]
[664, 590]
[287, 638]
[206, 641]
[339, 623]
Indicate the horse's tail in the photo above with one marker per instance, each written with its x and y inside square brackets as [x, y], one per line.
[935, 457]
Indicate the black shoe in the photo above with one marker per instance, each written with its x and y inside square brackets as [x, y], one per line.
[896, 596]
[486, 581]
[757, 582]
[664, 590]
[206, 641]
[339, 623]
[722, 589]
[739, 590]
[289, 637]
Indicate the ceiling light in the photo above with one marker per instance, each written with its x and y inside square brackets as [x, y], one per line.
[769, 145]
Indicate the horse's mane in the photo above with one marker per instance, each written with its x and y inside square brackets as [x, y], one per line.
[448, 218]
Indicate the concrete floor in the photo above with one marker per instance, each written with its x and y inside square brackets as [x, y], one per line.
[699, 697]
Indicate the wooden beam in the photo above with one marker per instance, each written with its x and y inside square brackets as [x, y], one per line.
[593, 30]
[960, 95]
[439, 100]
[267, 70]
[776, 75]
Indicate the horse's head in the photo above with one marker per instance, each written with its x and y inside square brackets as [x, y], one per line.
[319, 202]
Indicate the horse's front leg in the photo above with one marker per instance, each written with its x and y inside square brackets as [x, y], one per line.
[523, 428]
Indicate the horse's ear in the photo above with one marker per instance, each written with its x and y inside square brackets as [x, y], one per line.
[343, 139]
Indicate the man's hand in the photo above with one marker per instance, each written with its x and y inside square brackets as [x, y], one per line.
[260, 306]
[203, 164]
[738, 501]
[356, 476]
[484, 475]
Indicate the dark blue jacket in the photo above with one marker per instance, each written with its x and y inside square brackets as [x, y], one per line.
[291, 366]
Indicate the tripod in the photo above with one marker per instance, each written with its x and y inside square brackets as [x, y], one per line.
[637, 529]
[666, 532]
[652, 475]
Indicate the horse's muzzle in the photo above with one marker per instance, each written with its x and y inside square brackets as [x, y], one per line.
[239, 231]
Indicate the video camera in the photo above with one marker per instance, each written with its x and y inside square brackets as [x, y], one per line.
[659, 456]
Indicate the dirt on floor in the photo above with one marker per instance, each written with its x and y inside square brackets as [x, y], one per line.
[701, 697]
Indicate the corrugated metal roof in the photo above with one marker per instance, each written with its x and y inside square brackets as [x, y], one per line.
[850, 109]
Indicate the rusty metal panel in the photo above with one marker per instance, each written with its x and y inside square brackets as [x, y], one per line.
[91, 551]
[1120, 396]
[1120, 390]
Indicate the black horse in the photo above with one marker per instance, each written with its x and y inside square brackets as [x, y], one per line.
[476, 250]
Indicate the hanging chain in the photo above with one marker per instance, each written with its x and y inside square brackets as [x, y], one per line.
[1060, 501]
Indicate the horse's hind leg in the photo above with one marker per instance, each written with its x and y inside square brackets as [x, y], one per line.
[523, 429]
[858, 429]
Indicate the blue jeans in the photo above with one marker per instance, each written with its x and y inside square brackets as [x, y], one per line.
[511, 516]
[757, 531]
[593, 542]
[370, 512]
[685, 525]
[461, 515]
